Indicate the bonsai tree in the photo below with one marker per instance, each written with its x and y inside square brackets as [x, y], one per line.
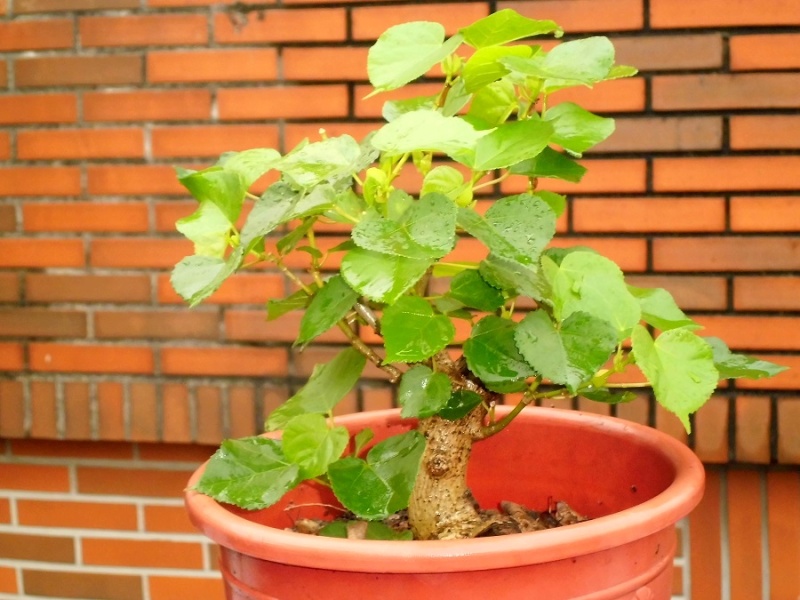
[496, 124]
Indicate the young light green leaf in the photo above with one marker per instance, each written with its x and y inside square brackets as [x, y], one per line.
[733, 366]
[195, 278]
[470, 289]
[550, 164]
[269, 211]
[250, 164]
[407, 51]
[310, 443]
[397, 460]
[492, 105]
[680, 367]
[208, 228]
[394, 108]
[492, 355]
[327, 161]
[422, 393]
[587, 61]
[504, 26]
[460, 404]
[222, 187]
[576, 129]
[376, 530]
[569, 354]
[328, 384]
[660, 310]
[381, 277]
[328, 306]
[484, 66]
[447, 181]
[511, 143]
[412, 332]
[457, 98]
[361, 439]
[359, 488]
[251, 473]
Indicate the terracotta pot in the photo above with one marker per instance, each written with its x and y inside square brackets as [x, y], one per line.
[634, 481]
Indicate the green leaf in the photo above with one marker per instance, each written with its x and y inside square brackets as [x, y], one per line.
[250, 164]
[550, 164]
[376, 530]
[511, 143]
[457, 98]
[516, 227]
[226, 189]
[328, 384]
[359, 488]
[381, 277]
[407, 51]
[328, 306]
[607, 396]
[484, 66]
[269, 211]
[492, 355]
[505, 26]
[512, 276]
[413, 332]
[576, 129]
[361, 439]
[396, 460]
[734, 366]
[680, 367]
[195, 278]
[326, 161]
[569, 354]
[429, 131]
[470, 289]
[491, 105]
[590, 283]
[394, 108]
[310, 443]
[296, 301]
[208, 228]
[460, 404]
[251, 473]
[660, 310]
[422, 393]
[447, 181]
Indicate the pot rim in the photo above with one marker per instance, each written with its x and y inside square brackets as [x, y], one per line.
[649, 517]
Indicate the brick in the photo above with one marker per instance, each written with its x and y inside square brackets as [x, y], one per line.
[177, 415]
[78, 144]
[768, 213]
[43, 287]
[36, 35]
[118, 69]
[8, 218]
[40, 548]
[783, 522]
[17, 109]
[77, 411]
[35, 322]
[603, 176]
[710, 174]
[243, 420]
[168, 213]
[168, 142]
[95, 358]
[749, 332]
[150, 483]
[209, 415]
[138, 253]
[133, 180]
[40, 181]
[9, 287]
[372, 107]
[766, 293]
[773, 51]
[282, 102]
[694, 254]
[12, 409]
[370, 22]
[241, 289]
[5, 511]
[142, 553]
[583, 15]
[144, 30]
[669, 134]
[228, 361]
[146, 105]
[745, 534]
[325, 64]
[71, 448]
[281, 26]
[144, 412]
[212, 65]
[648, 214]
[12, 356]
[252, 325]
[723, 13]
[184, 3]
[44, 410]
[37, 6]
[711, 431]
[723, 91]
[691, 292]
[85, 216]
[704, 556]
[5, 146]
[167, 588]
[171, 453]
[670, 52]
[74, 584]
[39, 478]
[156, 325]
[3, 74]
[764, 132]
[789, 431]
[77, 515]
[110, 410]
[44, 252]
[8, 575]
[753, 430]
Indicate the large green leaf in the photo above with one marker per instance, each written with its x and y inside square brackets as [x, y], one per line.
[484, 66]
[550, 164]
[492, 355]
[208, 228]
[732, 366]
[570, 353]
[224, 188]
[576, 129]
[470, 289]
[422, 393]
[680, 367]
[195, 278]
[505, 26]
[359, 488]
[396, 460]
[460, 404]
[660, 310]
[312, 444]
[381, 277]
[590, 283]
[250, 164]
[251, 473]
[328, 384]
[511, 276]
[407, 51]
[269, 211]
[493, 104]
[516, 227]
[329, 160]
[511, 143]
[412, 332]
[329, 305]
[296, 301]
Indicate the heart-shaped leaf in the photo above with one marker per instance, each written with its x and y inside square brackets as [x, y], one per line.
[422, 393]
[413, 332]
[492, 355]
[328, 306]
[310, 443]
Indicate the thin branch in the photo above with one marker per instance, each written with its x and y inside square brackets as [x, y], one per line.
[527, 398]
[357, 343]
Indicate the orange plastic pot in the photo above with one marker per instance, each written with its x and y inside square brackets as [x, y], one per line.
[634, 481]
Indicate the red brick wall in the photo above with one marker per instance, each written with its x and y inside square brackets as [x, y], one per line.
[697, 191]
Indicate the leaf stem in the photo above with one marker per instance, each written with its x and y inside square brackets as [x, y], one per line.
[528, 397]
